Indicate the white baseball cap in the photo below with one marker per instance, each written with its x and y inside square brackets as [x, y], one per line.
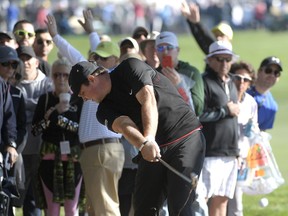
[132, 41]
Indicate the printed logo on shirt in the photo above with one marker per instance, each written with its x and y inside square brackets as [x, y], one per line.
[131, 92]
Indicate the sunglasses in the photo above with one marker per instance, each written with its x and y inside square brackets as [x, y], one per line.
[57, 75]
[23, 33]
[165, 47]
[241, 78]
[276, 73]
[14, 65]
[222, 60]
[42, 42]
[97, 57]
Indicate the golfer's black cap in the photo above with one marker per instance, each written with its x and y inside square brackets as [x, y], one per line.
[271, 60]
[78, 75]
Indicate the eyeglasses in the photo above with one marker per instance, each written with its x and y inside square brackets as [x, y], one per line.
[222, 59]
[165, 47]
[42, 42]
[23, 33]
[277, 73]
[241, 78]
[14, 65]
[58, 75]
[97, 57]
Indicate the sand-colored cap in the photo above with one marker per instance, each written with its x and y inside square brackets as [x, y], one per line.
[130, 40]
[225, 29]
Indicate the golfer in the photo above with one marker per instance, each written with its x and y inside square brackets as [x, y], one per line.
[145, 107]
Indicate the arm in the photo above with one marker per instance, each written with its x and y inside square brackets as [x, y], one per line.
[149, 111]
[8, 129]
[197, 93]
[231, 109]
[128, 128]
[65, 48]
[21, 121]
[202, 36]
[89, 29]
[179, 83]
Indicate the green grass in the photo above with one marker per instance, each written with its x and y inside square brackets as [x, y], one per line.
[252, 46]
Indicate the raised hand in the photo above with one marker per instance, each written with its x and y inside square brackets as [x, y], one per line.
[88, 21]
[51, 25]
[191, 12]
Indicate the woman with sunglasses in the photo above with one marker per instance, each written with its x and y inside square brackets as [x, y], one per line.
[243, 76]
[60, 174]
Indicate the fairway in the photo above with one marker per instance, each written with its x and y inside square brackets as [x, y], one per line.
[251, 46]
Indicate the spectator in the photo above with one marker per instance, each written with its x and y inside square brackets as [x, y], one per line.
[147, 47]
[8, 39]
[129, 47]
[57, 121]
[101, 178]
[268, 75]
[184, 76]
[8, 124]
[128, 106]
[219, 120]
[43, 44]
[33, 84]
[9, 62]
[203, 37]
[243, 77]
[24, 33]
[139, 34]
[107, 54]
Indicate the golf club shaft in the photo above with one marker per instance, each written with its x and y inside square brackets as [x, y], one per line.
[175, 171]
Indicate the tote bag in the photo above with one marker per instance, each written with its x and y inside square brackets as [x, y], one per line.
[261, 174]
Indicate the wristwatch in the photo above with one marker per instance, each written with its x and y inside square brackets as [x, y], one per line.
[12, 144]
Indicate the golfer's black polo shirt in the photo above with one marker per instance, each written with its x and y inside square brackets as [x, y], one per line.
[176, 119]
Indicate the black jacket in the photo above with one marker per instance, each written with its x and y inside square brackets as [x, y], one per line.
[203, 36]
[7, 116]
[19, 108]
[219, 128]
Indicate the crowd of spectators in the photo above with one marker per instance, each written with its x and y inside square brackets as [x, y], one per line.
[120, 16]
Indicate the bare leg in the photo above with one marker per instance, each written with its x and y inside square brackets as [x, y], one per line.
[218, 206]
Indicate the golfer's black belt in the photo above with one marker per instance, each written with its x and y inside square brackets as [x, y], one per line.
[99, 141]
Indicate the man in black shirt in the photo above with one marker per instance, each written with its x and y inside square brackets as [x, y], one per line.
[145, 107]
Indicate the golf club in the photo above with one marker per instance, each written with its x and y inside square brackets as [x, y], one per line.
[194, 178]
